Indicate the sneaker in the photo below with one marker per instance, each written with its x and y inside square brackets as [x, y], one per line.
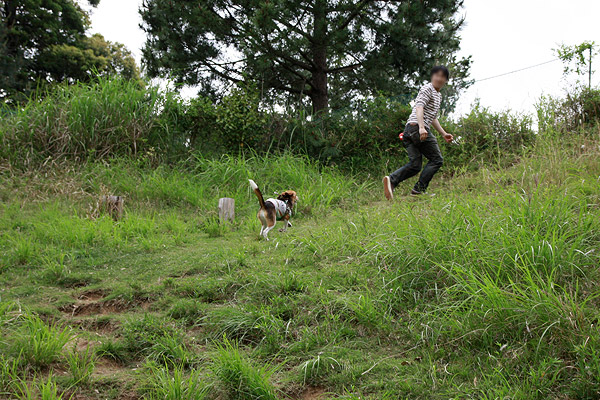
[387, 188]
[417, 193]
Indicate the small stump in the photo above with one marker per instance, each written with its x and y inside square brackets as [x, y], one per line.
[111, 205]
[226, 209]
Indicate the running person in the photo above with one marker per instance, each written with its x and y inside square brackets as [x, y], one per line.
[418, 139]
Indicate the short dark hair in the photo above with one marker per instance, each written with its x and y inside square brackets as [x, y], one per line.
[442, 69]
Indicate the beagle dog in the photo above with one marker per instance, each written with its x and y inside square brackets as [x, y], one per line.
[273, 210]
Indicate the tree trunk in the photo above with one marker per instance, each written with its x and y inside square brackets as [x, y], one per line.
[318, 94]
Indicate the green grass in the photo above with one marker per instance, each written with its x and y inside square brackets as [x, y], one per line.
[81, 365]
[487, 290]
[171, 382]
[239, 377]
[40, 390]
[38, 344]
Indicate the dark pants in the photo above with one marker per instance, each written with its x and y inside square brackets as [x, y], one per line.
[416, 149]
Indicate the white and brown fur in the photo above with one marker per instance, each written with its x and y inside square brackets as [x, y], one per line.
[267, 213]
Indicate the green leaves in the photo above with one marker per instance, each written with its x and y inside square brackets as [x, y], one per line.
[326, 51]
[575, 58]
[44, 41]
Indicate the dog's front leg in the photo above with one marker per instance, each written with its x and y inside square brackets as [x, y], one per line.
[286, 223]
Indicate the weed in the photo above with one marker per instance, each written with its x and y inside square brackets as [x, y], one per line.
[55, 271]
[171, 349]
[114, 350]
[170, 382]
[81, 365]
[251, 326]
[240, 378]
[39, 343]
[315, 370]
[44, 390]
[188, 310]
[215, 228]
[9, 373]
[290, 283]
[156, 338]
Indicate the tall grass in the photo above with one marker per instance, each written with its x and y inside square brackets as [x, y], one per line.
[83, 121]
[197, 184]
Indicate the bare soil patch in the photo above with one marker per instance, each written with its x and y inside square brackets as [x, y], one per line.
[115, 306]
[313, 393]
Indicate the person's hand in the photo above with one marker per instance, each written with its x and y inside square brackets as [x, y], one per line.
[423, 133]
[448, 138]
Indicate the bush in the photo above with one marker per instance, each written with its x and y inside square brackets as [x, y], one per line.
[579, 109]
[354, 138]
[113, 117]
[484, 137]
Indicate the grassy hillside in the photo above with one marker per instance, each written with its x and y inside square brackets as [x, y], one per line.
[487, 290]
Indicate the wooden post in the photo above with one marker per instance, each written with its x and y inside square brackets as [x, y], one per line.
[226, 209]
[112, 205]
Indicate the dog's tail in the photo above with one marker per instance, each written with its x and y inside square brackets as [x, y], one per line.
[261, 200]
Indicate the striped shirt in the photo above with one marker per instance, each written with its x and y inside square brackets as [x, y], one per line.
[430, 99]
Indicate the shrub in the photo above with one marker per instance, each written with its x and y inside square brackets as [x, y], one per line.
[580, 108]
[484, 136]
[112, 117]
[354, 138]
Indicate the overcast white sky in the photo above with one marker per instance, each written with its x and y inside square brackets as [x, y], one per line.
[501, 36]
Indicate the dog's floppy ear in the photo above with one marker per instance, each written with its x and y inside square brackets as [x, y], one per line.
[284, 196]
[288, 195]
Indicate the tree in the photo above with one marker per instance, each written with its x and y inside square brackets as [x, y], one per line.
[90, 56]
[328, 51]
[578, 58]
[44, 41]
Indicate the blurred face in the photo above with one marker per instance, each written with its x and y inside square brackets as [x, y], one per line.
[438, 80]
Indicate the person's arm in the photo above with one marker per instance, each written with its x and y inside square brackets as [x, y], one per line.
[447, 137]
[421, 121]
[422, 99]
